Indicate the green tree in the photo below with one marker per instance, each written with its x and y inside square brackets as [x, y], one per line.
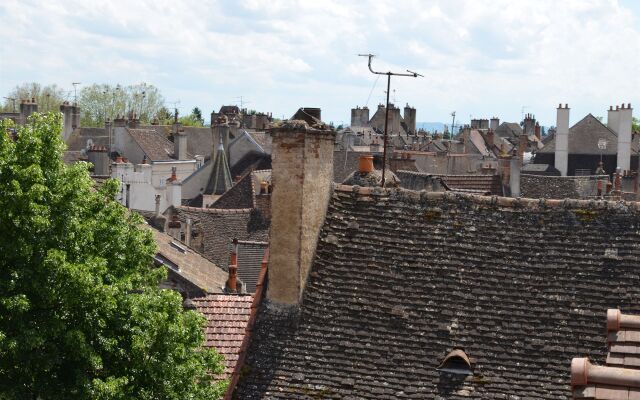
[197, 115]
[48, 97]
[100, 101]
[635, 125]
[81, 314]
[190, 120]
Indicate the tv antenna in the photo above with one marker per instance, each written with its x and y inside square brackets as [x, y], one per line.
[386, 114]
[453, 123]
[75, 92]
[13, 100]
[242, 102]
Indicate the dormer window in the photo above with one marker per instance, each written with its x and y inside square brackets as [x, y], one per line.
[456, 362]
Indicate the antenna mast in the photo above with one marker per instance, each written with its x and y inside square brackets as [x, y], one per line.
[75, 92]
[386, 115]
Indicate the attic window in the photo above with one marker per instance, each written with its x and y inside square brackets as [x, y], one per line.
[456, 362]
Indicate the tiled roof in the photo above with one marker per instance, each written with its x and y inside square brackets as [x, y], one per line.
[584, 137]
[620, 378]
[250, 162]
[401, 278]
[188, 264]
[239, 196]
[216, 228]
[227, 317]
[154, 145]
[482, 184]
[250, 255]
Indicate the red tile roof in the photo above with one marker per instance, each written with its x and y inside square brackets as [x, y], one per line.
[227, 317]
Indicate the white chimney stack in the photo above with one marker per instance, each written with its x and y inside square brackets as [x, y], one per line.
[612, 118]
[625, 115]
[562, 139]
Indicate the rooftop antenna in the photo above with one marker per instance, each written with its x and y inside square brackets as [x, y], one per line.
[242, 102]
[453, 123]
[75, 92]
[386, 115]
[175, 110]
[12, 99]
[522, 112]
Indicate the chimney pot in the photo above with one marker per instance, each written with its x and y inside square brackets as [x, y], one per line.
[365, 164]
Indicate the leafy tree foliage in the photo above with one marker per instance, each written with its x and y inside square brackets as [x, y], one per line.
[81, 314]
[100, 101]
[48, 97]
[197, 114]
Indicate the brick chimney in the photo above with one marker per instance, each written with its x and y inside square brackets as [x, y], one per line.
[302, 175]
[537, 131]
[232, 281]
[490, 138]
[562, 139]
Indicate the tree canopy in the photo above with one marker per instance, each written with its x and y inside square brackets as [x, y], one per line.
[81, 314]
[48, 97]
[100, 101]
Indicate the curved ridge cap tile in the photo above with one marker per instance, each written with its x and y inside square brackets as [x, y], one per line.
[613, 319]
[583, 373]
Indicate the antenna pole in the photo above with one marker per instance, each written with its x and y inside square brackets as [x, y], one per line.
[75, 92]
[386, 115]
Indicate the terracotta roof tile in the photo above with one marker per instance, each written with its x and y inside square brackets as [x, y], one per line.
[227, 317]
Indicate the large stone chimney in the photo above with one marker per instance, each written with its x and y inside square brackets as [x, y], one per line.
[529, 127]
[625, 116]
[359, 116]
[302, 175]
[562, 139]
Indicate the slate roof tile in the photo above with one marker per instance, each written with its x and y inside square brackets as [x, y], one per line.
[156, 146]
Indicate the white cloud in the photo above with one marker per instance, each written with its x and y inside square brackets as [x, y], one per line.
[482, 58]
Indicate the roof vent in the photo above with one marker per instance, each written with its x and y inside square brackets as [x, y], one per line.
[456, 362]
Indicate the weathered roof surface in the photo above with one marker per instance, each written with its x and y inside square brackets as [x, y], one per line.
[620, 377]
[220, 178]
[214, 229]
[425, 273]
[188, 264]
[250, 255]
[509, 130]
[251, 162]
[79, 141]
[227, 317]
[239, 196]
[424, 181]
[156, 146]
[584, 137]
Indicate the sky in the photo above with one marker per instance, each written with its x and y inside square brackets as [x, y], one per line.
[480, 58]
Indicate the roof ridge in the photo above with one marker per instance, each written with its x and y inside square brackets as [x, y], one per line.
[507, 202]
[216, 210]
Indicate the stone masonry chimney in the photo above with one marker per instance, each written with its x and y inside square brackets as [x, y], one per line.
[179, 143]
[625, 116]
[494, 123]
[302, 175]
[562, 139]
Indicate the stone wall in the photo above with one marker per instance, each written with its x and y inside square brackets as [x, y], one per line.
[560, 187]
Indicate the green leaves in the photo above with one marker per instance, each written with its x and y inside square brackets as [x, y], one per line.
[81, 314]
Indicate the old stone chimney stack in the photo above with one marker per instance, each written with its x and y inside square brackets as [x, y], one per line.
[179, 142]
[612, 118]
[302, 175]
[494, 123]
[625, 115]
[562, 139]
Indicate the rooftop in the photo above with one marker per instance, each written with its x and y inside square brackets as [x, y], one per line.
[401, 278]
